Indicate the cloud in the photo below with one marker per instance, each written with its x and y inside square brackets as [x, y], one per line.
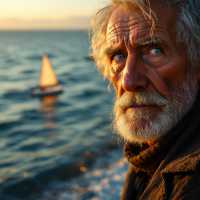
[80, 22]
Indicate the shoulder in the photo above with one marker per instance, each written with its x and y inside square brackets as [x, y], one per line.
[134, 184]
[185, 186]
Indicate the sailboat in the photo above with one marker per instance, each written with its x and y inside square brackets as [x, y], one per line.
[48, 82]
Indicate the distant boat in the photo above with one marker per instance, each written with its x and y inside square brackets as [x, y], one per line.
[48, 82]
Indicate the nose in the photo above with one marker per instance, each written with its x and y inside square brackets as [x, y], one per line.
[133, 78]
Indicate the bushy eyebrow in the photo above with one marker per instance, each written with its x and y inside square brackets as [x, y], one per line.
[151, 41]
[145, 42]
[110, 51]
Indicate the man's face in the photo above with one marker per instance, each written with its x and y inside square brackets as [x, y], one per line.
[152, 76]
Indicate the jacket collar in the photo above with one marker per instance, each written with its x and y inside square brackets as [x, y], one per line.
[184, 164]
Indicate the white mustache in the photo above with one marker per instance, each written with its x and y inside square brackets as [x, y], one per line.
[140, 99]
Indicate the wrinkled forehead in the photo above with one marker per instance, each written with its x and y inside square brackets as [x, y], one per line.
[133, 25]
[124, 23]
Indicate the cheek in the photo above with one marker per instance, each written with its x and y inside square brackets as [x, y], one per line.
[176, 73]
[117, 66]
[114, 81]
[167, 76]
[116, 69]
[171, 76]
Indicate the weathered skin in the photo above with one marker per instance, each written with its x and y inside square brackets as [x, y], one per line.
[140, 62]
[141, 68]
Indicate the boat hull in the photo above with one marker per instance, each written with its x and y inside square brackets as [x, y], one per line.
[55, 89]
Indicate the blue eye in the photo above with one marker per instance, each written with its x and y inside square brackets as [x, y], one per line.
[156, 51]
[118, 57]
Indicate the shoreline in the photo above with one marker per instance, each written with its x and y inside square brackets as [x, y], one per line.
[97, 183]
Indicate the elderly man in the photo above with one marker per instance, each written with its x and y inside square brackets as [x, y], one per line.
[150, 51]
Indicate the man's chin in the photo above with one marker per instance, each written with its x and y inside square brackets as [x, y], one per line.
[140, 130]
[137, 124]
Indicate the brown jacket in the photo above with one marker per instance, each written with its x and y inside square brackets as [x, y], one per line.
[177, 174]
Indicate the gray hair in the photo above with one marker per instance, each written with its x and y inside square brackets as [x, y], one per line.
[187, 27]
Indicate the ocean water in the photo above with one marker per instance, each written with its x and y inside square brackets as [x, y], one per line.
[56, 147]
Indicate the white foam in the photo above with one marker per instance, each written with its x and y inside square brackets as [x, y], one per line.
[98, 183]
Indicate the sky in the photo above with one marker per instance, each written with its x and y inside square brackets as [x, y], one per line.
[46, 14]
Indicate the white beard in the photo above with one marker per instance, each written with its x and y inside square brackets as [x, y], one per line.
[140, 126]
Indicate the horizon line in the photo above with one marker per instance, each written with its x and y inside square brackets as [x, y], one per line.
[64, 29]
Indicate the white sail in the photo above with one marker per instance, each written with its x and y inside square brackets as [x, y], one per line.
[47, 76]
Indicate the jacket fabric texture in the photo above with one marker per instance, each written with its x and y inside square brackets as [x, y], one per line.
[170, 169]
